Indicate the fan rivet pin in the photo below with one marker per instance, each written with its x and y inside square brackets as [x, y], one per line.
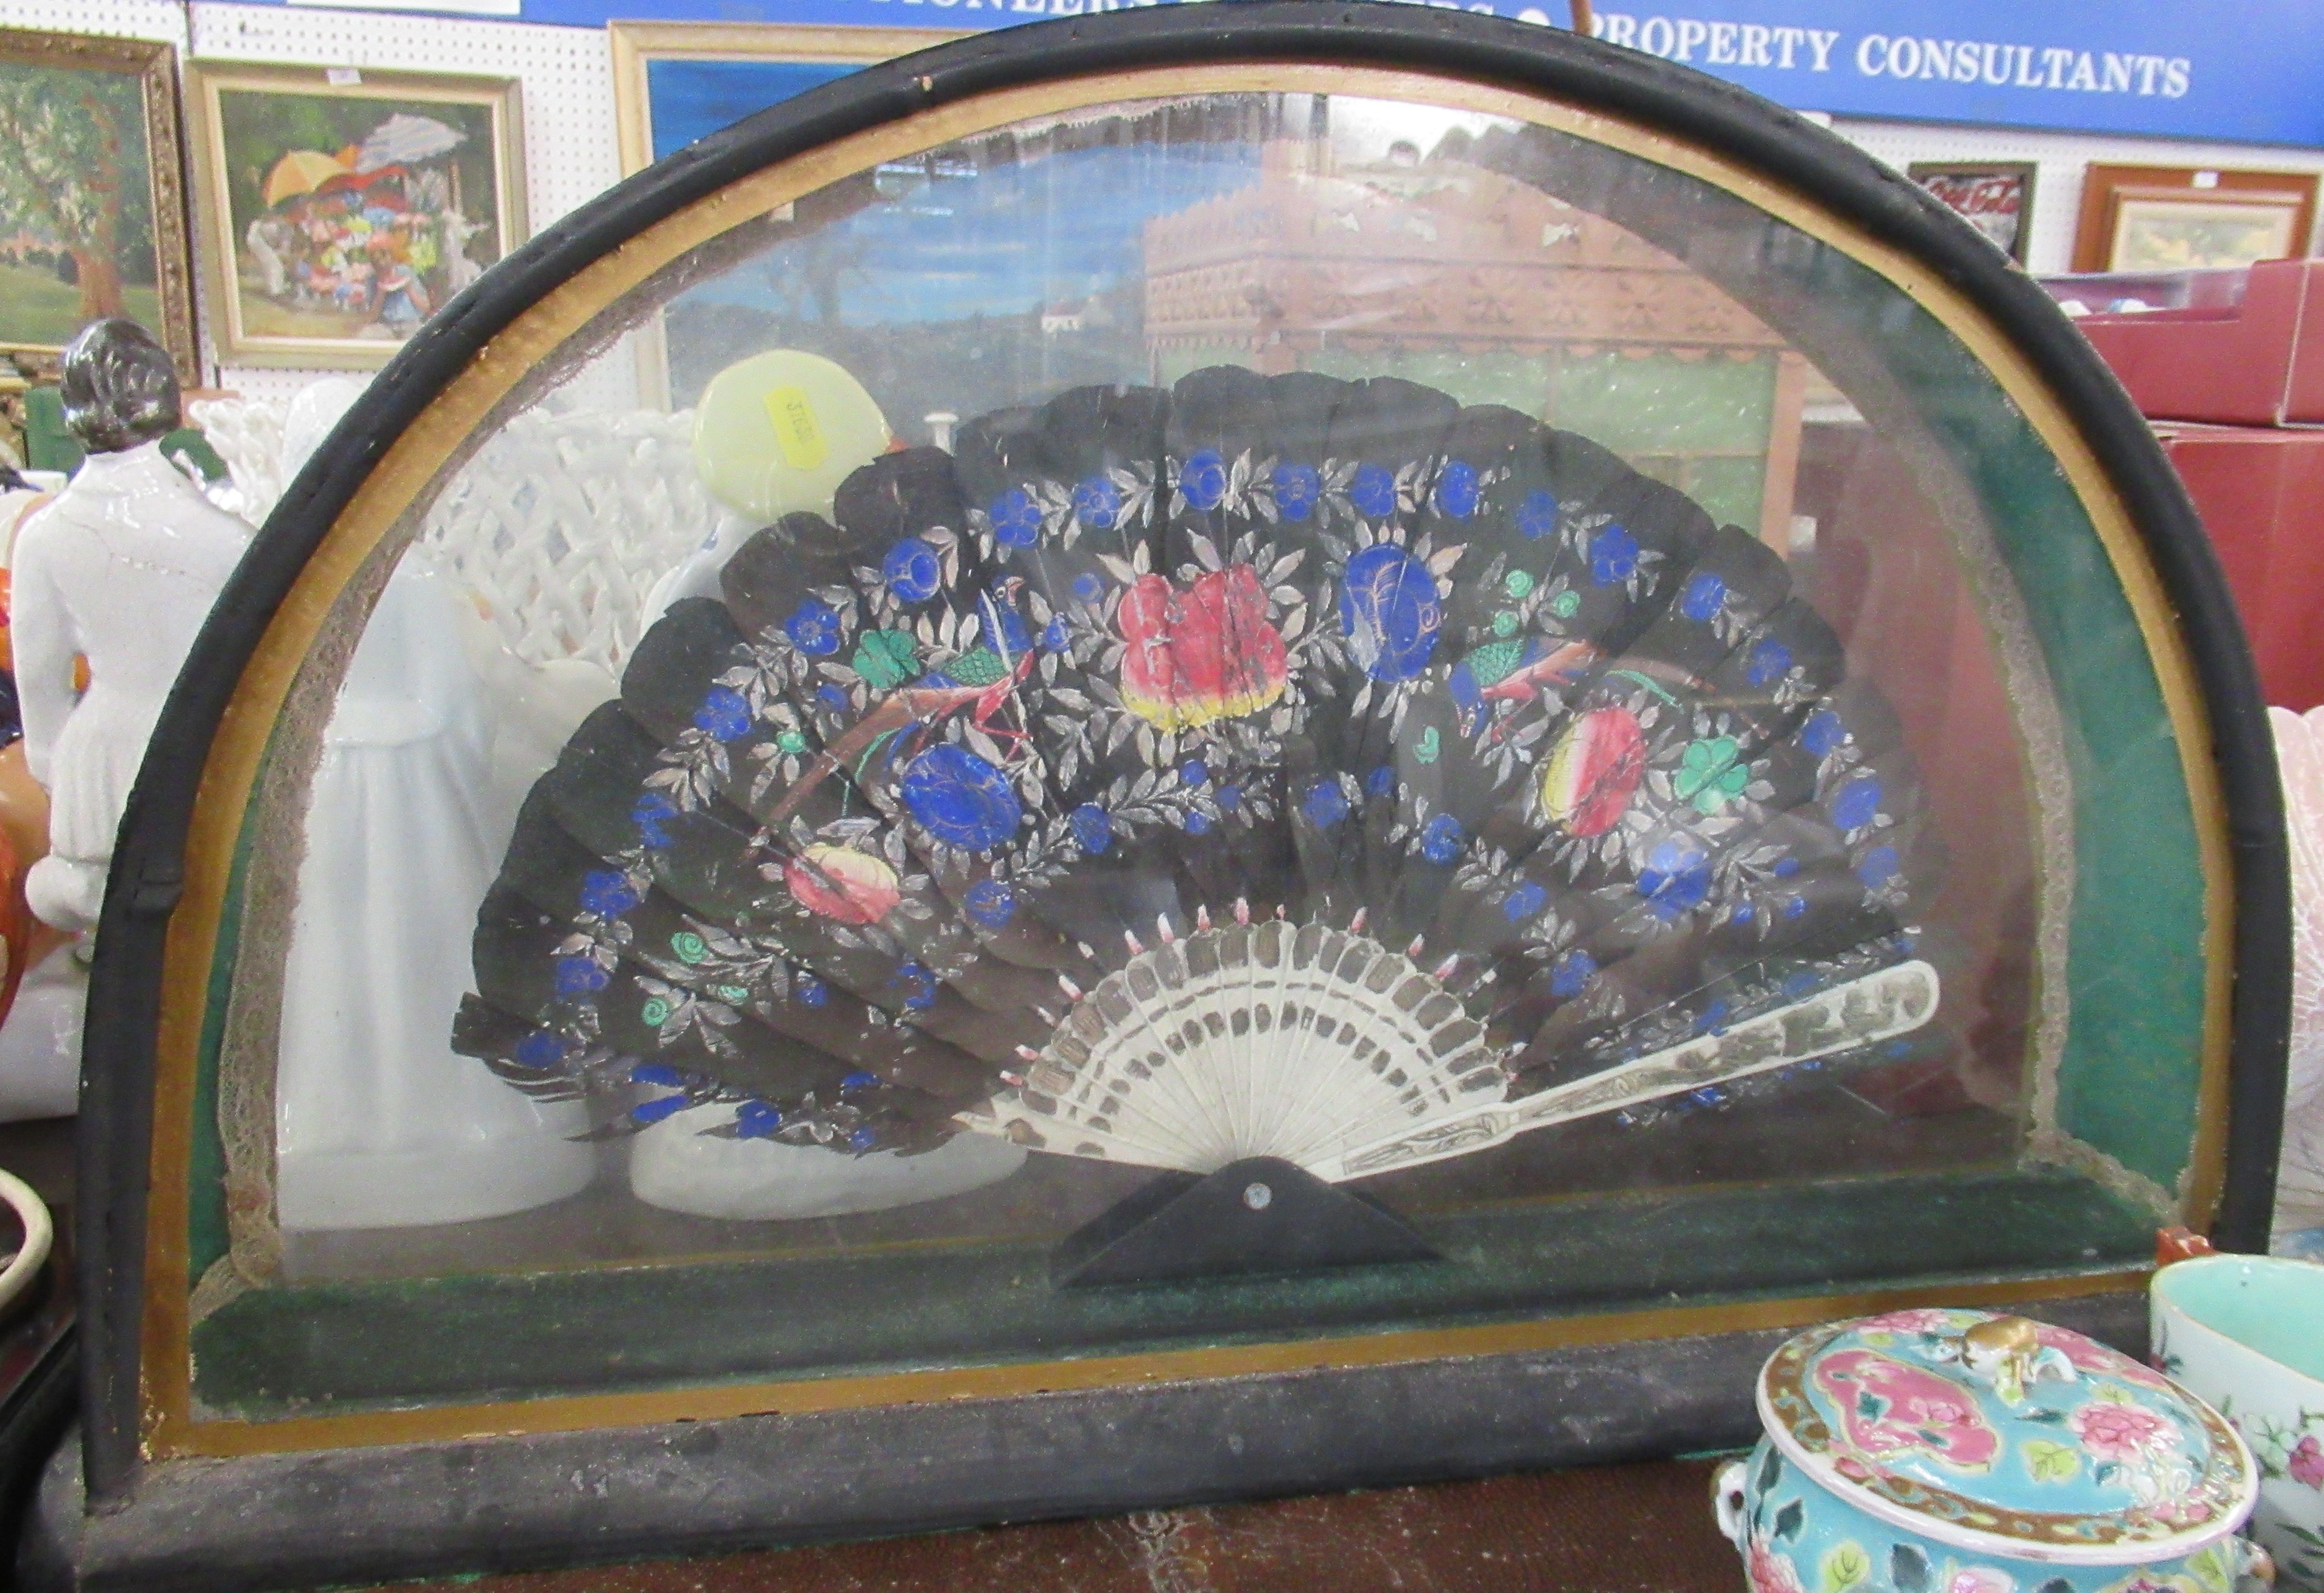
[1162, 927]
[1257, 1196]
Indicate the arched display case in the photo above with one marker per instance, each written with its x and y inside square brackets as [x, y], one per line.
[1205, 751]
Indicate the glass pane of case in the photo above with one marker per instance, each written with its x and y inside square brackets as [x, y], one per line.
[1533, 705]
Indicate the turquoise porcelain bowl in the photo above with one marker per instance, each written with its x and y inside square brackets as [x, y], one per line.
[1959, 1452]
[2247, 1333]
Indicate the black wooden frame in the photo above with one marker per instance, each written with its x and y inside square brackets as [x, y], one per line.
[117, 1121]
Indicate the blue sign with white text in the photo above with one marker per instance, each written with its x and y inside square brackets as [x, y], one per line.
[2249, 74]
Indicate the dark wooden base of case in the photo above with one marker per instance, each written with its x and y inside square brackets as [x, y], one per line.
[503, 1504]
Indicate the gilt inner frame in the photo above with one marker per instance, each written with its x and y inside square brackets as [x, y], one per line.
[263, 754]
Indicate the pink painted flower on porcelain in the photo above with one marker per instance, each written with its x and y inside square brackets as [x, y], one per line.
[2085, 1355]
[1980, 1579]
[1772, 1572]
[1920, 1320]
[2120, 1431]
[2306, 1463]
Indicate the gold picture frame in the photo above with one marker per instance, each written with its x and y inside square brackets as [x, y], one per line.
[338, 210]
[2183, 217]
[90, 268]
[639, 48]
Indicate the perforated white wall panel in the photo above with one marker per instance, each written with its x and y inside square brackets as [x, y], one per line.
[2059, 159]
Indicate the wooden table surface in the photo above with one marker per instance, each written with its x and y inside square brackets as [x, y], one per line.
[1607, 1529]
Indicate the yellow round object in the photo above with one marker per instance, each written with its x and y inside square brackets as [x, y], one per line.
[777, 432]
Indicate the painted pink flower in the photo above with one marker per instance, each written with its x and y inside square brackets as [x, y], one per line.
[1980, 1579]
[2118, 1432]
[2307, 1463]
[1920, 1320]
[1772, 1572]
[2084, 1355]
[1205, 653]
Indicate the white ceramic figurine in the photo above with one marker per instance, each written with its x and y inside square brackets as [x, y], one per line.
[121, 570]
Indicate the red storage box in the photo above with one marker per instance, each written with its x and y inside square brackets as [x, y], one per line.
[2241, 348]
[2262, 497]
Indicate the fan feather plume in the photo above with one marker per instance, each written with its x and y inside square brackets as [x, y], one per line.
[1271, 765]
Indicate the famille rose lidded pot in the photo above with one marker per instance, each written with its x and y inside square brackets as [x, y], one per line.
[1959, 1452]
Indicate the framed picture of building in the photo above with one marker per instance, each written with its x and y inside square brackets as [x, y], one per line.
[335, 216]
[92, 211]
[1997, 198]
[2180, 219]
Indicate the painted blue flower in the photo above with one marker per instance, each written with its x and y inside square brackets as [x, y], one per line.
[1089, 587]
[540, 1049]
[913, 571]
[655, 1072]
[1704, 596]
[1799, 987]
[1016, 518]
[1442, 838]
[1524, 902]
[1202, 480]
[1711, 1019]
[1786, 866]
[859, 1080]
[1326, 804]
[813, 627]
[1380, 782]
[1572, 975]
[580, 976]
[1468, 697]
[1055, 636]
[833, 698]
[1794, 905]
[1857, 803]
[1091, 829]
[1297, 488]
[810, 990]
[1389, 612]
[1373, 492]
[991, 903]
[1195, 772]
[1613, 556]
[1097, 503]
[1744, 913]
[862, 1139]
[607, 893]
[1771, 660]
[1457, 489]
[1822, 733]
[659, 1108]
[1675, 880]
[961, 799]
[1878, 867]
[1230, 799]
[755, 1119]
[648, 812]
[1198, 823]
[724, 713]
[1537, 515]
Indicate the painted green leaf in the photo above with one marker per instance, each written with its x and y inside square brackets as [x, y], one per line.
[1790, 1519]
[1908, 1569]
[1844, 1566]
[2052, 1462]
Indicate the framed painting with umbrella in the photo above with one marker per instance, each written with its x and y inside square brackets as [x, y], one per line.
[336, 216]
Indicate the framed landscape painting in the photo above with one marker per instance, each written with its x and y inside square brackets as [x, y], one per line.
[2190, 218]
[92, 212]
[336, 216]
